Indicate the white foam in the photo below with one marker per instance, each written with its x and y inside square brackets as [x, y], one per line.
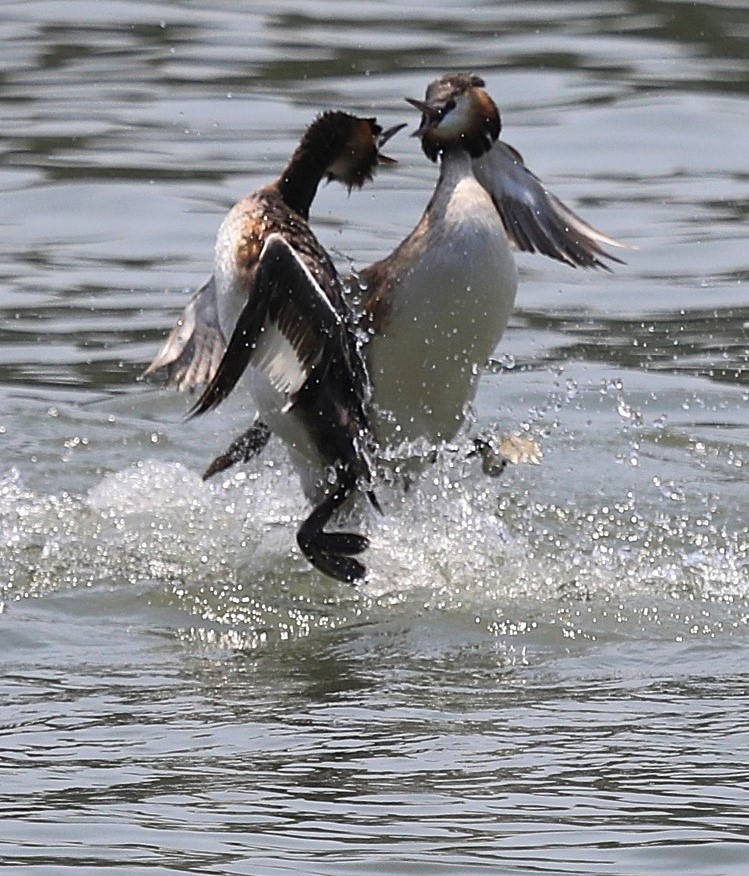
[148, 486]
[505, 554]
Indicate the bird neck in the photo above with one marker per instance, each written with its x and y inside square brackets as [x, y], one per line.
[455, 164]
[299, 181]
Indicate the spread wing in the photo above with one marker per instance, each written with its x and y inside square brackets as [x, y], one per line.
[287, 329]
[192, 352]
[536, 220]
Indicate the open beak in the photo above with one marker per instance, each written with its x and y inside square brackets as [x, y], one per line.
[383, 138]
[430, 116]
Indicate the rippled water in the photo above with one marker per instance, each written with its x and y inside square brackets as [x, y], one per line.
[545, 673]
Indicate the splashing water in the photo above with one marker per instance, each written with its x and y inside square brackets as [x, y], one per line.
[511, 555]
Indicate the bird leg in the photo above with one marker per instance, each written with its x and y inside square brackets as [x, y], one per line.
[242, 449]
[331, 552]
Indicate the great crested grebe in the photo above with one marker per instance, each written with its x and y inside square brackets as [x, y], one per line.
[437, 306]
[435, 309]
[276, 295]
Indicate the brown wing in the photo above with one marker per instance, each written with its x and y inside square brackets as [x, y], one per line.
[192, 352]
[288, 328]
[536, 220]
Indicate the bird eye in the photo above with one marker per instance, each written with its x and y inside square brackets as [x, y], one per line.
[447, 107]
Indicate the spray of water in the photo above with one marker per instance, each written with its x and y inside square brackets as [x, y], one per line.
[534, 547]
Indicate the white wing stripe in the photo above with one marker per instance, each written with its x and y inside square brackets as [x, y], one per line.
[278, 360]
[275, 238]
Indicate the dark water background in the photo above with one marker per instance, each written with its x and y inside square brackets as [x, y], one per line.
[546, 673]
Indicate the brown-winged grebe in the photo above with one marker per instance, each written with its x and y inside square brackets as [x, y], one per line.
[276, 295]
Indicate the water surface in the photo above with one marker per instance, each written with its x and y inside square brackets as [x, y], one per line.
[545, 673]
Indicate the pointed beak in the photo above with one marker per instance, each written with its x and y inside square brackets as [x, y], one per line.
[430, 116]
[384, 137]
